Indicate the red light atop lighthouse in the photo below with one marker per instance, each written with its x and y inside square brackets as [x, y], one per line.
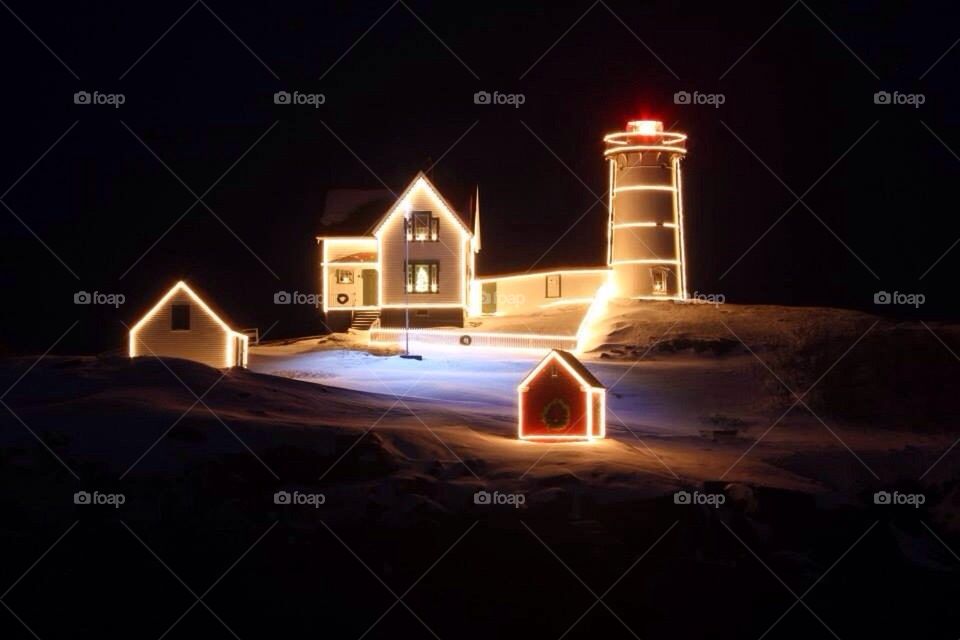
[645, 127]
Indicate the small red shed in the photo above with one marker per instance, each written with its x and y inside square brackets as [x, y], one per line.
[561, 400]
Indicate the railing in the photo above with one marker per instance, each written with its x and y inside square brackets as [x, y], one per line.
[253, 334]
[466, 339]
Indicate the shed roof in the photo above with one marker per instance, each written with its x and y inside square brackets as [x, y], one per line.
[576, 367]
[201, 300]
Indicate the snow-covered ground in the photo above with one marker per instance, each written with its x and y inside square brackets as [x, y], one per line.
[650, 396]
[399, 449]
[688, 403]
[559, 320]
[698, 410]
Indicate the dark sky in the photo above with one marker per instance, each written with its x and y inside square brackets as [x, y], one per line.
[881, 211]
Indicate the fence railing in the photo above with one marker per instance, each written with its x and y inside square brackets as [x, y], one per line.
[467, 339]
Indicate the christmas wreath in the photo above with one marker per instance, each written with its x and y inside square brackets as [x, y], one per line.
[556, 414]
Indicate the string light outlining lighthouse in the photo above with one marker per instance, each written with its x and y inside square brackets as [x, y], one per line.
[645, 249]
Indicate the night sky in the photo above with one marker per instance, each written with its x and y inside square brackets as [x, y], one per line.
[878, 181]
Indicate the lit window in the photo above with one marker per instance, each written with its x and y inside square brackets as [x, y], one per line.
[659, 281]
[423, 277]
[423, 227]
[344, 276]
[180, 317]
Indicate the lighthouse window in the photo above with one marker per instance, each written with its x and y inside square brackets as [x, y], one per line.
[423, 277]
[659, 281]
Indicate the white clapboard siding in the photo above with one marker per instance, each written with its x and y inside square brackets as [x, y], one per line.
[353, 291]
[208, 340]
[527, 293]
[450, 251]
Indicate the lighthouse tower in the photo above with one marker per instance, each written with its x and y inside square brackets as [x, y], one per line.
[645, 249]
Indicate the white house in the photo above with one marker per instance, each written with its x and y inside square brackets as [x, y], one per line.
[416, 263]
[182, 325]
[417, 259]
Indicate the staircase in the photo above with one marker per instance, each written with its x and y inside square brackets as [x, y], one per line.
[364, 318]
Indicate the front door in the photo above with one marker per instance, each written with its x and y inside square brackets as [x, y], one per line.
[369, 277]
[239, 356]
[553, 286]
[489, 302]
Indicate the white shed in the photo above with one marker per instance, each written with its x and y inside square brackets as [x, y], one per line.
[182, 325]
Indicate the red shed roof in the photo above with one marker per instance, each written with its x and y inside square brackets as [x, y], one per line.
[577, 368]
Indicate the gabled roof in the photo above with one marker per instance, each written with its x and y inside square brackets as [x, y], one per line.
[421, 176]
[353, 212]
[182, 286]
[573, 365]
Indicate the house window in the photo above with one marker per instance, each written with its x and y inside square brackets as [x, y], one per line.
[344, 276]
[423, 226]
[659, 281]
[423, 277]
[553, 286]
[180, 317]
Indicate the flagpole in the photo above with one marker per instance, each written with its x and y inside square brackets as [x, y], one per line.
[406, 278]
[407, 233]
